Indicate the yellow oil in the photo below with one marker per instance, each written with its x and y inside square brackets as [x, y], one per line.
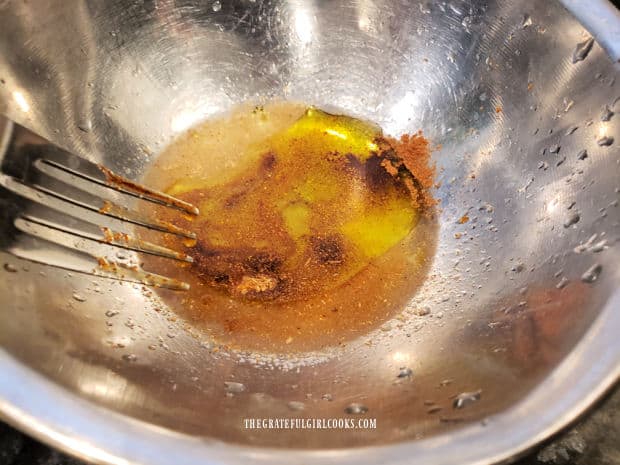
[304, 239]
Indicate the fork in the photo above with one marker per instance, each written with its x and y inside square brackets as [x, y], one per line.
[62, 210]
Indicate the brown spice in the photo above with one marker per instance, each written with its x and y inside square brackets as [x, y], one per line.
[412, 151]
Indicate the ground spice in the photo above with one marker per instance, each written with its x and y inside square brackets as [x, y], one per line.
[411, 153]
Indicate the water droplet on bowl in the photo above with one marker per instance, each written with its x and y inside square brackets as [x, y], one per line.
[130, 357]
[111, 313]
[571, 130]
[356, 409]
[607, 113]
[296, 406]
[233, 387]
[466, 398]
[582, 50]
[592, 273]
[405, 372]
[217, 6]
[10, 268]
[527, 21]
[85, 126]
[599, 246]
[78, 297]
[572, 219]
[605, 141]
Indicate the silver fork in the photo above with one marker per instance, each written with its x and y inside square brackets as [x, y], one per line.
[61, 210]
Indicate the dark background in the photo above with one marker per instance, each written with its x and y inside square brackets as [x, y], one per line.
[593, 440]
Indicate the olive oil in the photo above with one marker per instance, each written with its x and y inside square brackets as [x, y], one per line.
[303, 239]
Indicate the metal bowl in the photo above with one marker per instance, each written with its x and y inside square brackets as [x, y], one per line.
[500, 85]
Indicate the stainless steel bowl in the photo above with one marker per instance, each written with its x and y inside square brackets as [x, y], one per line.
[511, 314]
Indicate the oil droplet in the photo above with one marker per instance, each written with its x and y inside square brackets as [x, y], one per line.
[233, 387]
[111, 313]
[296, 406]
[582, 50]
[327, 397]
[466, 398]
[405, 372]
[562, 284]
[356, 409]
[10, 268]
[130, 357]
[592, 273]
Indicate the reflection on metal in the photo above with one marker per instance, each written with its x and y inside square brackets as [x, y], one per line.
[489, 93]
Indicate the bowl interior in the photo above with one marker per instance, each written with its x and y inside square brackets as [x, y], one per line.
[492, 85]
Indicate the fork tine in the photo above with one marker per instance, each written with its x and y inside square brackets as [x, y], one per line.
[104, 177]
[49, 246]
[56, 214]
[49, 191]
[64, 211]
